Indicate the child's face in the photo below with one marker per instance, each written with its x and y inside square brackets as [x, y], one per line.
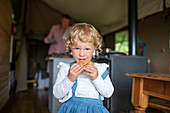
[83, 51]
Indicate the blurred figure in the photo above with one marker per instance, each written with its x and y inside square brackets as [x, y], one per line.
[55, 36]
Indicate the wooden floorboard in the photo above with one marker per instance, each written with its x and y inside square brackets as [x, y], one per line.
[36, 101]
[30, 101]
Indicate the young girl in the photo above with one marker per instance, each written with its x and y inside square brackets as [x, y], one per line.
[82, 88]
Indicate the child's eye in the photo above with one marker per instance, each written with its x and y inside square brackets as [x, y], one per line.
[77, 48]
[87, 49]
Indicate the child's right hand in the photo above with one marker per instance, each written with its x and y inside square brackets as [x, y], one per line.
[74, 71]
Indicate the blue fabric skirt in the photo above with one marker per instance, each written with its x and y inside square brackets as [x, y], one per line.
[83, 105]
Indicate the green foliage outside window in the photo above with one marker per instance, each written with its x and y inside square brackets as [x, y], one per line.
[122, 41]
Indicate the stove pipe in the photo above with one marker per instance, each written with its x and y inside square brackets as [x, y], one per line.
[133, 26]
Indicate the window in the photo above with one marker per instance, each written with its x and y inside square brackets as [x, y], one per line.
[122, 41]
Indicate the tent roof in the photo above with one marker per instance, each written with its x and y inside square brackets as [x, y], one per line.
[106, 15]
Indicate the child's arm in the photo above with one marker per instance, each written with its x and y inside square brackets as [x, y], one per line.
[104, 86]
[66, 80]
[62, 84]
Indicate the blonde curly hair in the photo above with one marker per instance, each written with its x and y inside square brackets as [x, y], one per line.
[85, 33]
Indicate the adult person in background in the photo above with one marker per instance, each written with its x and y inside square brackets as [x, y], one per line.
[55, 36]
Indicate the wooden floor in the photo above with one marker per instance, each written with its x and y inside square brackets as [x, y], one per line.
[35, 101]
[31, 101]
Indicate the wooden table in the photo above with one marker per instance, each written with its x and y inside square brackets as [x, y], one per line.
[148, 84]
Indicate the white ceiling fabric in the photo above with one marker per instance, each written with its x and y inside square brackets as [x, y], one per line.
[106, 15]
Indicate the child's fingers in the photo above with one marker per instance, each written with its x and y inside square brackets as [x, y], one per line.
[74, 71]
[76, 68]
[93, 75]
[90, 68]
[91, 71]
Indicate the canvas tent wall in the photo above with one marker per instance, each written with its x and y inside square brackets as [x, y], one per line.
[5, 37]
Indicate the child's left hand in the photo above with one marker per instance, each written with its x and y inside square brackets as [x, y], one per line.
[91, 71]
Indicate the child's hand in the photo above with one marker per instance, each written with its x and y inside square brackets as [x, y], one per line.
[74, 71]
[92, 71]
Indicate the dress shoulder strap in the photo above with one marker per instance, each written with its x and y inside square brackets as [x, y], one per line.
[71, 63]
[105, 74]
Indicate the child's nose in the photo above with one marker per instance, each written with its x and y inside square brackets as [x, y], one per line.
[82, 53]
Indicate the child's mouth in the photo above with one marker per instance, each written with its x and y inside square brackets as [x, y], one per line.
[81, 60]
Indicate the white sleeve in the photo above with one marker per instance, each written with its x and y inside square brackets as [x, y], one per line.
[104, 87]
[62, 85]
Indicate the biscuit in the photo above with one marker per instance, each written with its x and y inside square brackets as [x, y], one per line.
[86, 62]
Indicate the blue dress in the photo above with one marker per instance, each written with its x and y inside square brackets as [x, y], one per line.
[82, 105]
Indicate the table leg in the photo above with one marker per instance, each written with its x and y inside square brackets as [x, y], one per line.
[140, 110]
[139, 99]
